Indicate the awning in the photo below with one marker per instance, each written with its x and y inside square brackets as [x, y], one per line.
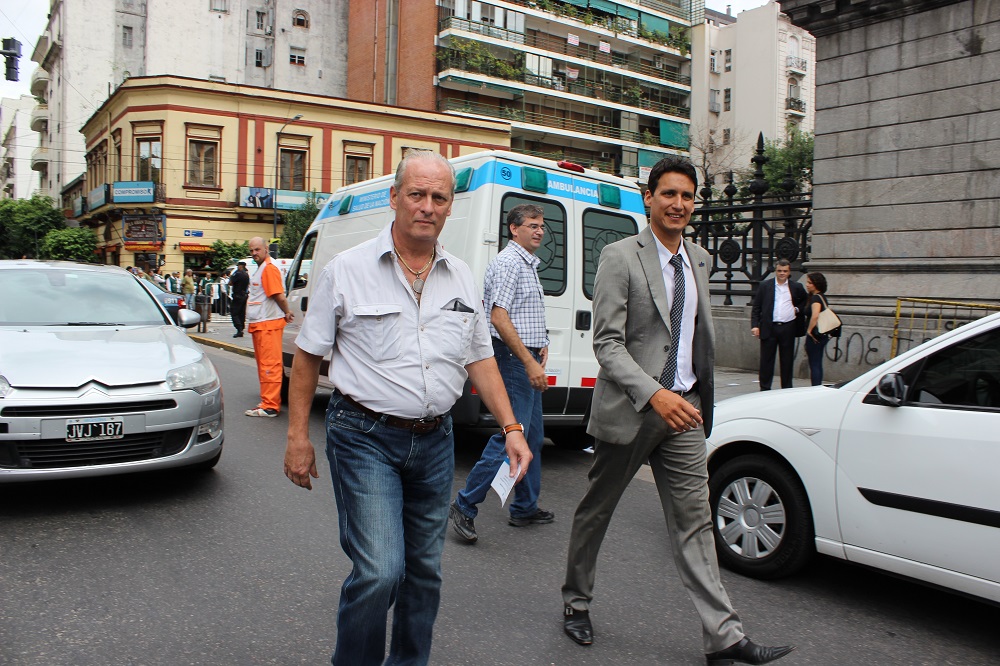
[194, 247]
[605, 6]
[143, 247]
[578, 3]
[654, 23]
[628, 12]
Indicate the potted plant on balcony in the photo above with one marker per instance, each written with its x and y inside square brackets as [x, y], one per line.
[632, 95]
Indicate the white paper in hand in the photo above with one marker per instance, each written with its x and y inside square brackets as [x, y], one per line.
[503, 481]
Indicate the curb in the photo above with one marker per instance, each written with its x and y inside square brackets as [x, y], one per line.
[228, 346]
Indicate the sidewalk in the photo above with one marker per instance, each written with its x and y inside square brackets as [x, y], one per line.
[729, 382]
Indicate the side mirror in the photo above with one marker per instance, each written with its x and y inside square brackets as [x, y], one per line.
[187, 318]
[891, 390]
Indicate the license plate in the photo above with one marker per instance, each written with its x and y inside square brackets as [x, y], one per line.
[94, 428]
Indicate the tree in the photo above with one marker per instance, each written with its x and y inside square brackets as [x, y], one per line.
[296, 223]
[712, 156]
[24, 223]
[225, 254]
[75, 244]
[791, 158]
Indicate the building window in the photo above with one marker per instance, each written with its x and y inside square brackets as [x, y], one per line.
[300, 19]
[726, 136]
[202, 165]
[293, 170]
[127, 36]
[727, 99]
[297, 57]
[713, 65]
[356, 168]
[258, 58]
[261, 18]
[218, 5]
[729, 60]
[149, 155]
[793, 89]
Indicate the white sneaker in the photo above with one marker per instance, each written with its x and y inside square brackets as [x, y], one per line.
[260, 411]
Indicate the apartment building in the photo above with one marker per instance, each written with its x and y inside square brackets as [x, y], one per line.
[19, 119]
[91, 46]
[754, 73]
[174, 164]
[599, 82]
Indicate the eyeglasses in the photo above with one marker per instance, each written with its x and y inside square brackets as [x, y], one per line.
[534, 227]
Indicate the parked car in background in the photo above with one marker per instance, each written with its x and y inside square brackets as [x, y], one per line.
[170, 301]
[896, 470]
[95, 379]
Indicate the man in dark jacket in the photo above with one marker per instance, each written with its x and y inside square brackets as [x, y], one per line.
[778, 307]
[239, 286]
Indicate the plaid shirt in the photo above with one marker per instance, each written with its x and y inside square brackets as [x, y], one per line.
[512, 283]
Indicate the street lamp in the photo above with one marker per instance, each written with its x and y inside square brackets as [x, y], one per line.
[277, 161]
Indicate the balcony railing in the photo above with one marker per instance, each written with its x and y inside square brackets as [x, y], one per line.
[798, 64]
[39, 116]
[556, 45]
[40, 159]
[795, 104]
[39, 82]
[605, 166]
[546, 120]
[603, 91]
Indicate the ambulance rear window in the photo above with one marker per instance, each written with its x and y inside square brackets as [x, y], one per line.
[601, 228]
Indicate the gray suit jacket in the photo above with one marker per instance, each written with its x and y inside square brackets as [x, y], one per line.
[632, 336]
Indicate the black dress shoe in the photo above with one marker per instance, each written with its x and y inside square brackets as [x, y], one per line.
[239, 335]
[747, 652]
[576, 624]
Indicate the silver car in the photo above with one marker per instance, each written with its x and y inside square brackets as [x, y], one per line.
[95, 379]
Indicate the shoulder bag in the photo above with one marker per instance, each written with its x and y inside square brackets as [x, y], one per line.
[828, 321]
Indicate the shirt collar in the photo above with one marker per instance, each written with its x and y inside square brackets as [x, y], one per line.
[384, 246]
[666, 254]
[529, 258]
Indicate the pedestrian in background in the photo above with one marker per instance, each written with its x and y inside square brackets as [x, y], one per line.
[188, 288]
[514, 298]
[816, 341]
[653, 402]
[388, 428]
[268, 312]
[777, 318]
[239, 285]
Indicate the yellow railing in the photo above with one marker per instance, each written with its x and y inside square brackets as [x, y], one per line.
[921, 319]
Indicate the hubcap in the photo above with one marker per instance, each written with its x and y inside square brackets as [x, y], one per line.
[751, 518]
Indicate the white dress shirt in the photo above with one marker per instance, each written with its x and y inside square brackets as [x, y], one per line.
[389, 353]
[685, 378]
[784, 311]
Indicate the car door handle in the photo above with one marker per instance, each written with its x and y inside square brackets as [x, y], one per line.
[583, 320]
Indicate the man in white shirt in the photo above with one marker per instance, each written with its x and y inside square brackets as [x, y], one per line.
[405, 324]
[775, 318]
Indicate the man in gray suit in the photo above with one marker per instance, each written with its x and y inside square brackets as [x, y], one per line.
[653, 401]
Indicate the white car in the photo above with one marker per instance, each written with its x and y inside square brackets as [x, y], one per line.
[897, 469]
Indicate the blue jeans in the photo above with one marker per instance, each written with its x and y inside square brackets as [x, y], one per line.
[814, 350]
[527, 405]
[393, 489]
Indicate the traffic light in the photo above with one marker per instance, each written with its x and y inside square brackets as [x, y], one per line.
[11, 51]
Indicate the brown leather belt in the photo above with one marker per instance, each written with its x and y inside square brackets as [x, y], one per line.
[418, 426]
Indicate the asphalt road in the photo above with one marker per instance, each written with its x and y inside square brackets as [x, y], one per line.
[237, 566]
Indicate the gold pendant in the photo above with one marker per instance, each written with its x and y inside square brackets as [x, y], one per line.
[417, 286]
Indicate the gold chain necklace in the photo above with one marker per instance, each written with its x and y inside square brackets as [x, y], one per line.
[418, 284]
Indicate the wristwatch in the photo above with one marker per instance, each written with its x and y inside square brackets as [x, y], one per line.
[513, 427]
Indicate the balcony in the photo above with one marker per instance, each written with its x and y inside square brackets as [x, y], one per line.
[39, 117]
[795, 106]
[554, 44]
[40, 82]
[544, 120]
[40, 159]
[501, 69]
[796, 65]
[619, 25]
[588, 161]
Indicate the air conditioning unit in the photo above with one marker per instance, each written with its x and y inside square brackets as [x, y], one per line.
[267, 30]
[605, 156]
[657, 62]
[606, 119]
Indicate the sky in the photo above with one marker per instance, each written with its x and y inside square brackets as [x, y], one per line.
[25, 21]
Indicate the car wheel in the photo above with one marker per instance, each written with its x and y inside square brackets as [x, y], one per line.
[761, 517]
[570, 438]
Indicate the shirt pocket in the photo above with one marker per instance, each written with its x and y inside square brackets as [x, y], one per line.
[454, 334]
[379, 331]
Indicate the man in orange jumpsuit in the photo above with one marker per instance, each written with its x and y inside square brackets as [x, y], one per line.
[267, 314]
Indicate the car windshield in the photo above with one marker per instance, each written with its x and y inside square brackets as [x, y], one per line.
[75, 297]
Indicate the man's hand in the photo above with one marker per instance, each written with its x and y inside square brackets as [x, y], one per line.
[300, 462]
[536, 376]
[755, 332]
[518, 453]
[677, 412]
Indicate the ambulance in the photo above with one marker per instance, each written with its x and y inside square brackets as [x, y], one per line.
[584, 211]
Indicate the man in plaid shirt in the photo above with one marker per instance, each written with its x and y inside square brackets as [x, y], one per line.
[514, 298]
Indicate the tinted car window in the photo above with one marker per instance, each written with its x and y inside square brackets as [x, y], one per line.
[966, 374]
[68, 296]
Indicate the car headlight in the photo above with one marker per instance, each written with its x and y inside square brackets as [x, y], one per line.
[5, 387]
[199, 376]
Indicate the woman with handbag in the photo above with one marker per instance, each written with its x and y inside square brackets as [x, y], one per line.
[816, 341]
